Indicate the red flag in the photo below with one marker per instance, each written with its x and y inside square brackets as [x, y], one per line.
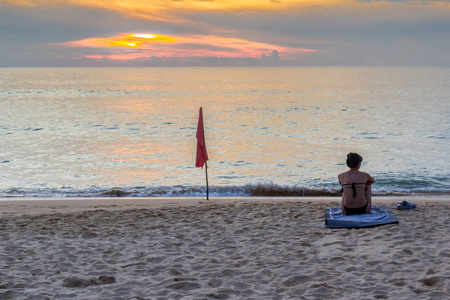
[202, 155]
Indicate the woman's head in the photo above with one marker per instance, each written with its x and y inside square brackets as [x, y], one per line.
[353, 160]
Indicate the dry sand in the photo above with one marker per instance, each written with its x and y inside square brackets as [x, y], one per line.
[228, 248]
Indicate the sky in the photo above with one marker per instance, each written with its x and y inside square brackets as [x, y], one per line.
[90, 33]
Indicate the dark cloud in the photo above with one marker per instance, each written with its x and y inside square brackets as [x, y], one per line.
[350, 36]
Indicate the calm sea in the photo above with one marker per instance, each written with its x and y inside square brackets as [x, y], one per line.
[269, 131]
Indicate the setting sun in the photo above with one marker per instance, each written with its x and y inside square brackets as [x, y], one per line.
[143, 35]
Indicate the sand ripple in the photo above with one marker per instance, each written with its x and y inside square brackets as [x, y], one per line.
[224, 251]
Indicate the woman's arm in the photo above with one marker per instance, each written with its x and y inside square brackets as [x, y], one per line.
[368, 198]
[369, 182]
[342, 201]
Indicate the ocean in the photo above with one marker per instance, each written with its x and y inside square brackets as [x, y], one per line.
[96, 132]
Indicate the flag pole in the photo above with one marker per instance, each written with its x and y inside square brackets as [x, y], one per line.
[202, 155]
[207, 187]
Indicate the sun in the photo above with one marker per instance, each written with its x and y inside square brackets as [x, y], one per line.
[143, 35]
[137, 40]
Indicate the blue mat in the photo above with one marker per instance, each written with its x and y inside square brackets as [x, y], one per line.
[380, 215]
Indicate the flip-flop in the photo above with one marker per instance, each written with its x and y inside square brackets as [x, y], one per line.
[405, 205]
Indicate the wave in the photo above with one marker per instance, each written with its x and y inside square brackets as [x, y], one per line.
[249, 190]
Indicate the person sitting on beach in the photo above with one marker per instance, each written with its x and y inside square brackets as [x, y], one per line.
[356, 187]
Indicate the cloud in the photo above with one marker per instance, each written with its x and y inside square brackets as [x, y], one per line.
[315, 32]
[150, 44]
[162, 10]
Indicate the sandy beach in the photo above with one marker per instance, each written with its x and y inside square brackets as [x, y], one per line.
[224, 248]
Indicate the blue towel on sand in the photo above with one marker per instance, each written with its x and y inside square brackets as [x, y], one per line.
[380, 215]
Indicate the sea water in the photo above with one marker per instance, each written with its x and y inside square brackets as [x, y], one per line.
[269, 131]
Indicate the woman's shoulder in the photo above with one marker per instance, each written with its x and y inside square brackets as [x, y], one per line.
[341, 177]
[369, 178]
[343, 174]
[354, 175]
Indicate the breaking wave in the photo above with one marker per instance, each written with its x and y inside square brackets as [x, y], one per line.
[247, 190]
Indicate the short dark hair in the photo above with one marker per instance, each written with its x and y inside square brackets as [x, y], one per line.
[353, 159]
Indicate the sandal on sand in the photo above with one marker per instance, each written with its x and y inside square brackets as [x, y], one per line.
[405, 205]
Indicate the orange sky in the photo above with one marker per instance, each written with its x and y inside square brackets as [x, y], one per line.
[168, 10]
[181, 46]
[330, 32]
[149, 44]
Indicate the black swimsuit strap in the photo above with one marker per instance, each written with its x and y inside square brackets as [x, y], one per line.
[353, 187]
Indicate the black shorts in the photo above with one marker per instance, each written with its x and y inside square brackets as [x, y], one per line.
[355, 211]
